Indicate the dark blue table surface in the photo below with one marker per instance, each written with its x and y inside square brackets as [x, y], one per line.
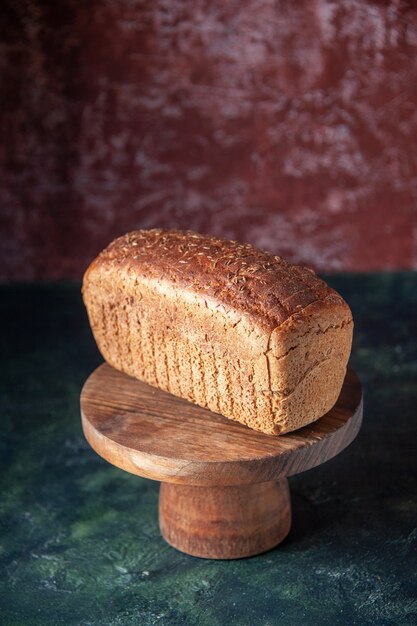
[79, 539]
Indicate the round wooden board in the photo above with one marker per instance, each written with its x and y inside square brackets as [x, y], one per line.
[154, 434]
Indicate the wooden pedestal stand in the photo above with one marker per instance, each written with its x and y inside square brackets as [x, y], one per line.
[224, 491]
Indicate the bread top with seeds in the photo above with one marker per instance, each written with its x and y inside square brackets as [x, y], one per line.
[234, 275]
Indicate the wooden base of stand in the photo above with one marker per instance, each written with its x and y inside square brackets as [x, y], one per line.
[224, 492]
[225, 522]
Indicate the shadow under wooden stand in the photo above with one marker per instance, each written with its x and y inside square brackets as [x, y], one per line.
[224, 491]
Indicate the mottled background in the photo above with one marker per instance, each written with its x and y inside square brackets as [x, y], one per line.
[289, 124]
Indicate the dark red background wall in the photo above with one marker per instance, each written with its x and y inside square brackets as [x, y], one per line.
[289, 124]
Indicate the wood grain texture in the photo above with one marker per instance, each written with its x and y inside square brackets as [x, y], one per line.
[225, 522]
[156, 435]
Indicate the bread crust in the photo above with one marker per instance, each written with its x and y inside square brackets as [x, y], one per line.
[222, 324]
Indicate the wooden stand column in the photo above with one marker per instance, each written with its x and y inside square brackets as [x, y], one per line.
[224, 492]
[225, 522]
